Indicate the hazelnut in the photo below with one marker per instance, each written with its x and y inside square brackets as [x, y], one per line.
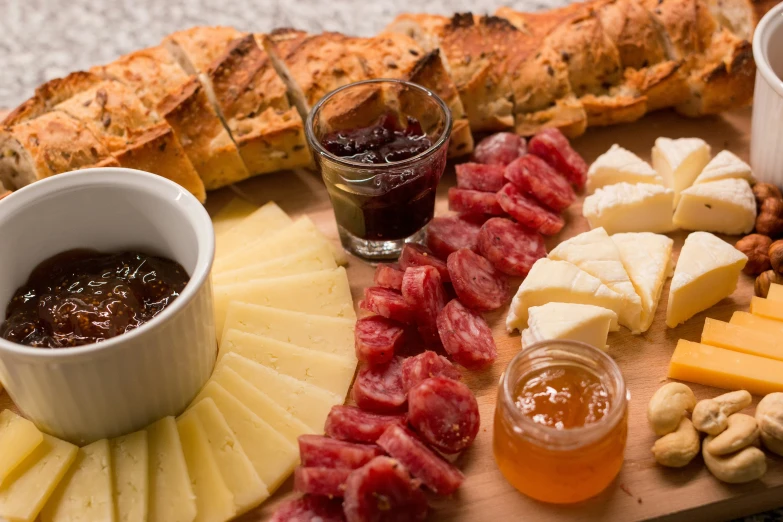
[756, 247]
[764, 191]
[764, 281]
[770, 219]
[776, 256]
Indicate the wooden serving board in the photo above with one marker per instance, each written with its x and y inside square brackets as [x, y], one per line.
[643, 489]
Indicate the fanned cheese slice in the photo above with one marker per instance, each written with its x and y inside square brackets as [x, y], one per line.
[576, 322]
[647, 258]
[727, 206]
[233, 213]
[624, 207]
[679, 162]
[560, 282]
[725, 165]
[18, 438]
[263, 222]
[171, 497]
[595, 253]
[707, 271]
[130, 466]
[619, 165]
[312, 259]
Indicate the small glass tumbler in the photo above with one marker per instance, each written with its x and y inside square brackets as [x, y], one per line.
[380, 201]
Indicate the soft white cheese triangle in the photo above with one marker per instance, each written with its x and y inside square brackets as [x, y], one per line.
[576, 322]
[725, 165]
[619, 165]
[727, 206]
[647, 258]
[560, 282]
[707, 272]
[679, 162]
[624, 207]
[595, 253]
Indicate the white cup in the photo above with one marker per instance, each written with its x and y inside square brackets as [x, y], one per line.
[120, 385]
[766, 146]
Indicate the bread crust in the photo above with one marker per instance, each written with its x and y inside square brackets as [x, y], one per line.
[49, 94]
[196, 48]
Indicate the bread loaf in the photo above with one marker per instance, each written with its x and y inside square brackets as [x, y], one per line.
[50, 94]
[196, 48]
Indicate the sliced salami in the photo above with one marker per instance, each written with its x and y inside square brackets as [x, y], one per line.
[529, 212]
[477, 283]
[425, 365]
[552, 146]
[444, 413]
[466, 336]
[534, 176]
[475, 176]
[448, 234]
[510, 247]
[309, 509]
[423, 291]
[474, 202]
[382, 491]
[440, 476]
[327, 482]
[500, 148]
[388, 303]
[378, 388]
[349, 423]
[414, 255]
[377, 339]
[324, 452]
[388, 276]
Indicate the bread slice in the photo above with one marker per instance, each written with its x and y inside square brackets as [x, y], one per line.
[50, 94]
[196, 48]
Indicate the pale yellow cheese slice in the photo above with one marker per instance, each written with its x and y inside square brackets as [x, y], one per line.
[231, 215]
[29, 486]
[726, 206]
[625, 207]
[85, 493]
[214, 501]
[304, 401]
[311, 259]
[246, 486]
[265, 221]
[725, 165]
[171, 497]
[18, 438]
[329, 372]
[130, 465]
[568, 321]
[619, 165]
[273, 456]
[680, 161]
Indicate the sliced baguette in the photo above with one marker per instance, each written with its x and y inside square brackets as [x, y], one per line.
[50, 94]
[196, 48]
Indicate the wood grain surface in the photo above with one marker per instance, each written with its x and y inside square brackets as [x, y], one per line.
[643, 490]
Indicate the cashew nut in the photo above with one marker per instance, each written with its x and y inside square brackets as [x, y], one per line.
[711, 415]
[745, 465]
[668, 406]
[769, 415]
[678, 448]
[742, 431]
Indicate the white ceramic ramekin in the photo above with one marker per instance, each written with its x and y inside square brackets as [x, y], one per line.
[766, 147]
[120, 385]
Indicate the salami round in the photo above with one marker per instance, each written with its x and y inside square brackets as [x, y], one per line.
[377, 339]
[474, 202]
[445, 413]
[324, 452]
[552, 146]
[534, 176]
[466, 336]
[388, 276]
[434, 472]
[423, 291]
[510, 247]
[414, 255]
[528, 212]
[475, 176]
[425, 365]
[448, 234]
[378, 388]
[327, 482]
[308, 509]
[382, 491]
[349, 423]
[477, 283]
[500, 148]
[387, 303]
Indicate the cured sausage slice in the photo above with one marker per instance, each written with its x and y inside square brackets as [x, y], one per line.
[308, 509]
[378, 388]
[500, 148]
[327, 482]
[388, 303]
[474, 202]
[448, 234]
[534, 176]
[388, 276]
[324, 452]
[466, 336]
[423, 291]
[552, 146]
[352, 424]
[440, 476]
[414, 255]
[475, 176]
[529, 212]
[382, 491]
[444, 413]
[477, 283]
[377, 338]
[510, 247]
[425, 365]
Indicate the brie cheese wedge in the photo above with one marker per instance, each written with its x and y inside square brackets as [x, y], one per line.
[575, 322]
[624, 207]
[725, 165]
[617, 165]
[727, 206]
[680, 161]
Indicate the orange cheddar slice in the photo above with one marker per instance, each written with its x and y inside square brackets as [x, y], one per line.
[775, 292]
[758, 323]
[741, 339]
[766, 308]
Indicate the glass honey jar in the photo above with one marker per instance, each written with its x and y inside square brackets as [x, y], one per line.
[561, 421]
